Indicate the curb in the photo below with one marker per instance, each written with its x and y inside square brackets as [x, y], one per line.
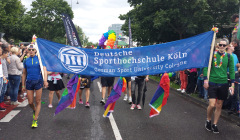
[204, 104]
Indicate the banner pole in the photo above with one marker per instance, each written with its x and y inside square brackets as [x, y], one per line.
[211, 54]
[40, 61]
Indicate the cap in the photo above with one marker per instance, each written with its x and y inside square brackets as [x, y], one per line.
[31, 46]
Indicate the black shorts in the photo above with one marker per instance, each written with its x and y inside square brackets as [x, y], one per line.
[128, 79]
[55, 87]
[218, 91]
[88, 83]
[107, 81]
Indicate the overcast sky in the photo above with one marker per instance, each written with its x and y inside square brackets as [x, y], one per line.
[94, 16]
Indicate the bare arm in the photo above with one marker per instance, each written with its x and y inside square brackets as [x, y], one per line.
[238, 65]
[21, 58]
[24, 79]
[147, 78]
[45, 77]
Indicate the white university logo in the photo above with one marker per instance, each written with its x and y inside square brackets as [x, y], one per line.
[73, 59]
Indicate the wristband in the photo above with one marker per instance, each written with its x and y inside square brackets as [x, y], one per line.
[23, 86]
[206, 82]
[232, 86]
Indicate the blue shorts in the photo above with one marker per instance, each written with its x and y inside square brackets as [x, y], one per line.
[34, 84]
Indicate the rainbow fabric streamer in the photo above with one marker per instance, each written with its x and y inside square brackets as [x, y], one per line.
[160, 97]
[34, 38]
[114, 96]
[69, 93]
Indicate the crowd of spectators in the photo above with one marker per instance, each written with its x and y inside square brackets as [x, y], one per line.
[192, 80]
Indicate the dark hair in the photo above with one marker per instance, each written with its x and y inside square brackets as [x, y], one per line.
[234, 17]
[235, 41]
[5, 51]
[23, 50]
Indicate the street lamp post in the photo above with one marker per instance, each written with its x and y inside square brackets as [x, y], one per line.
[76, 3]
[83, 39]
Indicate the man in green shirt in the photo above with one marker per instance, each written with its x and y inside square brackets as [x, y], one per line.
[217, 84]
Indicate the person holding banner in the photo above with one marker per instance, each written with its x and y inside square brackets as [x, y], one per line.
[107, 82]
[128, 79]
[55, 85]
[85, 84]
[87, 81]
[139, 81]
[217, 84]
[32, 80]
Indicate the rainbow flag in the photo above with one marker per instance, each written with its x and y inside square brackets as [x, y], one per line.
[69, 93]
[160, 97]
[114, 96]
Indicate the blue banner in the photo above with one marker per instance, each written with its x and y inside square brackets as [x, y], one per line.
[148, 60]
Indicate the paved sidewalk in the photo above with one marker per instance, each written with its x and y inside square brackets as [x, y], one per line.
[230, 117]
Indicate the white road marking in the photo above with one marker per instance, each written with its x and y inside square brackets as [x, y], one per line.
[112, 121]
[115, 128]
[99, 86]
[10, 115]
[24, 103]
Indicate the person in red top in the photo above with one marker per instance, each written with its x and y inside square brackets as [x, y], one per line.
[183, 78]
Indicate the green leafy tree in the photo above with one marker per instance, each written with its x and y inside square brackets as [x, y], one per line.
[92, 44]
[155, 21]
[45, 19]
[11, 14]
[83, 38]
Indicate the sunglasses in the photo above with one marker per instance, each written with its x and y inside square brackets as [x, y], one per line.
[222, 45]
[31, 49]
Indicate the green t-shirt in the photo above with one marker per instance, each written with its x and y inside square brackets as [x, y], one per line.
[219, 75]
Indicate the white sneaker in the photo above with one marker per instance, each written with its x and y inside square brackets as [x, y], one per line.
[133, 106]
[130, 100]
[15, 103]
[125, 97]
[139, 107]
[179, 89]
[183, 91]
[50, 106]
[24, 94]
[8, 97]
[103, 101]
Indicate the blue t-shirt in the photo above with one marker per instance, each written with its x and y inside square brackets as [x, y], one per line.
[32, 66]
[235, 58]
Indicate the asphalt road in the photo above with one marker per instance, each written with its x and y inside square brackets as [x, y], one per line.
[180, 119]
